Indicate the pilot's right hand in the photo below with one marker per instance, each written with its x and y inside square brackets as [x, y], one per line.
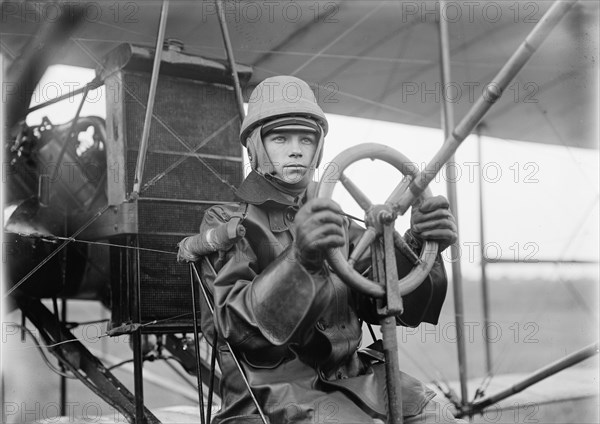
[319, 226]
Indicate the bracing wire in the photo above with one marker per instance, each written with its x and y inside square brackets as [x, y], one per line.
[52, 239]
[106, 334]
[55, 239]
[55, 252]
[45, 358]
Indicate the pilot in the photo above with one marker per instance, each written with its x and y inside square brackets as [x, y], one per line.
[293, 324]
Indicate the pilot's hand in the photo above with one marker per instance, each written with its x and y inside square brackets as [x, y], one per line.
[186, 252]
[319, 226]
[432, 220]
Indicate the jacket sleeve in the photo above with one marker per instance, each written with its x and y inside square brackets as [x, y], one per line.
[424, 304]
[256, 309]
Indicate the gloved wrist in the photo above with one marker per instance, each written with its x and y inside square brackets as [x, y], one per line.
[311, 260]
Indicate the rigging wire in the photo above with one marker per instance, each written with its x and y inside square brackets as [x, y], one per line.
[327, 88]
[154, 180]
[118, 364]
[194, 150]
[39, 345]
[148, 358]
[60, 248]
[488, 378]
[55, 239]
[338, 38]
[107, 334]
[583, 307]
[73, 239]
[52, 239]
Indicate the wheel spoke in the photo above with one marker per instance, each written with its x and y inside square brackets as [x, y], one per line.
[400, 188]
[362, 245]
[392, 290]
[356, 193]
[399, 200]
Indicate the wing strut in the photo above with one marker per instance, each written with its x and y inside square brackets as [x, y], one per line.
[491, 94]
[448, 124]
[453, 139]
[197, 347]
[236, 81]
[547, 371]
[136, 336]
[485, 297]
[141, 159]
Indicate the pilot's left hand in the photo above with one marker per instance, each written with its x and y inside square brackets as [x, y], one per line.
[432, 220]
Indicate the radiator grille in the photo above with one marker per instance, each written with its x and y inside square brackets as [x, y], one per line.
[192, 179]
[187, 114]
[191, 110]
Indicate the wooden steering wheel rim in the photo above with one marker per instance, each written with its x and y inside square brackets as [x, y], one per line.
[336, 259]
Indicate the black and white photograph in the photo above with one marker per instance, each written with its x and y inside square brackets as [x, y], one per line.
[300, 211]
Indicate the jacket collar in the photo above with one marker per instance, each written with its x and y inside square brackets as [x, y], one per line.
[257, 190]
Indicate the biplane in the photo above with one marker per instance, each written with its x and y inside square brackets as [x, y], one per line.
[94, 206]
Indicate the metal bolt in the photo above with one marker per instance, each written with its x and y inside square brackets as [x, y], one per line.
[386, 217]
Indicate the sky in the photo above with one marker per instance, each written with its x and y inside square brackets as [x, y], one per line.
[539, 201]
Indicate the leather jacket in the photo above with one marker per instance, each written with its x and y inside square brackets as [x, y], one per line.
[297, 333]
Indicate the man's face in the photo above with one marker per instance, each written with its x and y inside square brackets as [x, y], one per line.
[291, 152]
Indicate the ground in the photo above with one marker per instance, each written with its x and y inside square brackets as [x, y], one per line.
[533, 323]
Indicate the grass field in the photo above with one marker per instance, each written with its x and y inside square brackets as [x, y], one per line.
[533, 323]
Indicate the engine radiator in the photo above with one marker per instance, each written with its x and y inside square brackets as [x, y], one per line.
[194, 161]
